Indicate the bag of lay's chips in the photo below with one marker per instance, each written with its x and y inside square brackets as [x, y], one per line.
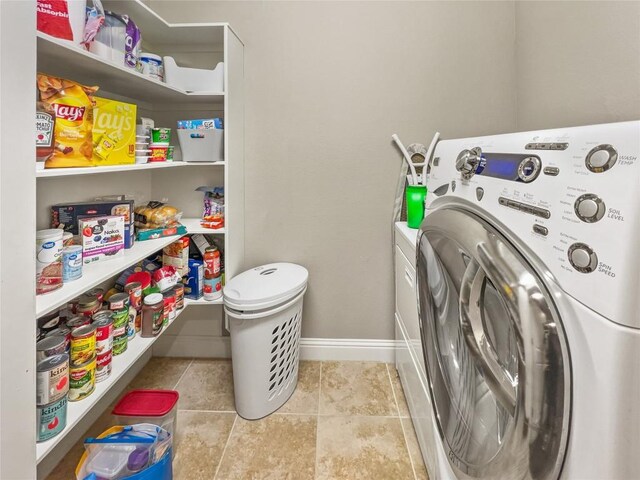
[73, 106]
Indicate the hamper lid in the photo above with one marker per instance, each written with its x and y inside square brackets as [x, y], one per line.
[146, 403]
[265, 286]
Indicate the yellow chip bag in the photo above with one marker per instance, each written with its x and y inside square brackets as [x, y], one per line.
[73, 106]
[114, 132]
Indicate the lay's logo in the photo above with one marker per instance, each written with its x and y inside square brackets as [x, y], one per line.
[69, 112]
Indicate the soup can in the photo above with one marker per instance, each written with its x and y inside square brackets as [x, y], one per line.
[83, 344]
[98, 293]
[49, 322]
[134, 289]
[87, 305]
[103, 322]
[169, 306]
[212, 288]
[51, 419]
[82, 380]
[48, 260]
[78, 321]
[52, 379]
[103, 365]
[131, 326]
[71, 263]
[50, 346]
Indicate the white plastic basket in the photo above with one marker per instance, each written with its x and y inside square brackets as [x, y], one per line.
[193, 79]
[265, 347]
[201, 145]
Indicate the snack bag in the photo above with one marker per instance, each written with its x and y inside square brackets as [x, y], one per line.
[73, 106]
[114, 132]
[156, 215]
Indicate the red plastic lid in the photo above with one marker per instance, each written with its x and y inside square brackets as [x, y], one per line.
[146, 403]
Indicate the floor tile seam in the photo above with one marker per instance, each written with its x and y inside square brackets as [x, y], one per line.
[404, 433]
[195, 410]
[175, 387]
[315, 465]
[224, 450]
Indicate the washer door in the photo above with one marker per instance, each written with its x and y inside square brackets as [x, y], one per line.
[495, 351]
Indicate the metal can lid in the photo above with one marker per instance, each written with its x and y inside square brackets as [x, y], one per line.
[211, 248]
[60, 331]
[132, 285]
[50, 342]
[102, 318]
[83, 365]
[86, 301]
[153, 299]
[77, 321]
[84, 331]
[119, 298]
[52, 362]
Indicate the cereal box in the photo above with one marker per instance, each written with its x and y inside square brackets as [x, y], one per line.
[114, 132]
[102, 238]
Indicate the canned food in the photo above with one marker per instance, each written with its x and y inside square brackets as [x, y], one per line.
[50, 346]
[52, 419]
[88, 305]
[52, 379]
[103, 322]
[71, 263]
[212, 289]
[103, 365]
[179, 289]
[134, 289]
[131, 325]
[119, 301]
[49, 322]
[78, 321]
[48, 260]
[83, 344]
[38, 334]
[169, 305]
[120, 344]
[82, 380]
[98, 293]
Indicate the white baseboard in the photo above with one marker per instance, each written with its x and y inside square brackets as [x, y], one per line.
[347, 349]
[310, 348]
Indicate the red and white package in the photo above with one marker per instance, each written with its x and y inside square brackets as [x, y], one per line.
[165, 278]
[62, 18]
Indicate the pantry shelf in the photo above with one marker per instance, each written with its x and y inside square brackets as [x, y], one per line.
[63, 172]
[189, 302]
[93, 275]
[57, 57]
[120, 365]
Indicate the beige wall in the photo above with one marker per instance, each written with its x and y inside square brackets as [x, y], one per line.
[326, 86]
[577, 63]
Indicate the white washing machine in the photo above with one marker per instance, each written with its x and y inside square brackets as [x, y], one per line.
[528, 279]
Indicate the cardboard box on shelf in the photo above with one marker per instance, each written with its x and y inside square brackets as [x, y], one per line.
[102, 238]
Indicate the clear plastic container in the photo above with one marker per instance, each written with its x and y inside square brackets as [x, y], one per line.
[158, 407]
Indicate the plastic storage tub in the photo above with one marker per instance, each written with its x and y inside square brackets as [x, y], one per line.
[193, 79]
[158, 407]
[201, 145]
[264, 309]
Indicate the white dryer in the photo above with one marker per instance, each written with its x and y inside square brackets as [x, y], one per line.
[528, 279]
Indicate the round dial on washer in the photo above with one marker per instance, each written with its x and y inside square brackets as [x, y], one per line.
[601, 158]
[589, 208]
[468, 161]
[582, 257]
[529, 169]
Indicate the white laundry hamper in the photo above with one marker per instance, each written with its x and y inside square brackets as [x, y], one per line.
[264, 309]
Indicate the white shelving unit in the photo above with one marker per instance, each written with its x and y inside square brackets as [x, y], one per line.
[194, 45]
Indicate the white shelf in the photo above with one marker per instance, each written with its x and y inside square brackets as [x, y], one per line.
[58, 57]
[63, 172]
[121, 364]
[93, 275]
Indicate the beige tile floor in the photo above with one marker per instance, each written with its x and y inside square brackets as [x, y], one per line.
[346, 420]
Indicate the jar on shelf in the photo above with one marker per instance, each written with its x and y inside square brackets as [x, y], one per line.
[152, 315]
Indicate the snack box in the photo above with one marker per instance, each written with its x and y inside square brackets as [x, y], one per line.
[202, 124]
[102, 238]
[194, 281]
[153, 233]
[114, 132]
[66, 215]
[177, 255]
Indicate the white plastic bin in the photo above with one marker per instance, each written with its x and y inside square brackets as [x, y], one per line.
[201, 145]
[264, 309]
[193, 79]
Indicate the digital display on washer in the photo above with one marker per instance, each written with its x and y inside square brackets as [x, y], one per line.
[507, 166]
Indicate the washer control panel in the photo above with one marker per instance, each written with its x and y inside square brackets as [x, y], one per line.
[570, 195]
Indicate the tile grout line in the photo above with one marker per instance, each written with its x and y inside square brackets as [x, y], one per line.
[175, 387]
[315, 472]
[404, 433]
[224, 450]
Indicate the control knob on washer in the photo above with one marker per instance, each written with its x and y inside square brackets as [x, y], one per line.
[582, 257]
[601, 158]
[467, 162]
[589, 208]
